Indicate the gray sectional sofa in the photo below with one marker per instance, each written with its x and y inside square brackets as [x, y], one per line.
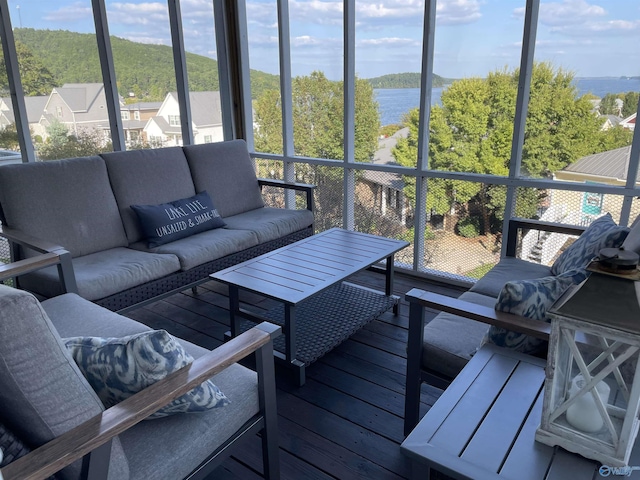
[83, 206]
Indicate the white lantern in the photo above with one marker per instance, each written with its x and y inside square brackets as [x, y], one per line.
[592, 385]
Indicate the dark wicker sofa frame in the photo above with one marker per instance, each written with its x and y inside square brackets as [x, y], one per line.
[170, 284]
[420, 300]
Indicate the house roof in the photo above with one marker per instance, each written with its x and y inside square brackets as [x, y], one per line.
[80, 97]
[384, 156]
[606, 166]
[630, 120]
[34, 106]
[205, 108]
[141, 106]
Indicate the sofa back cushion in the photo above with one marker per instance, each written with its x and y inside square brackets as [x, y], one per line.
[43, 393]
[66, 202]
[147, 177]
[225, 170]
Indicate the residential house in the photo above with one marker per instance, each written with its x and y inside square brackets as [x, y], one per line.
[609, 168]
[206, 116]
[35, 109]
[134, 118]
[609, 121]
[385, 190]
[629, 123]
[79, 106]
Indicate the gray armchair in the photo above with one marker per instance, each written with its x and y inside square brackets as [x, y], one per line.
[46, 402]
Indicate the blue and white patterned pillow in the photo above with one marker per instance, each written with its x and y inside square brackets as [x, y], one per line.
[530, 299]
[602, 233]
[117, 368]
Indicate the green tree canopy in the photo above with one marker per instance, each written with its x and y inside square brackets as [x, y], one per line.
[473, 129]
[36, 78]
[629, 100]
[60, 144]
[318, 108]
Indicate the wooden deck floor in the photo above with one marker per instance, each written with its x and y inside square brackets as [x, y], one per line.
[346, 421]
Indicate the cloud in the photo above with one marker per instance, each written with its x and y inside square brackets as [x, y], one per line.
[70, 13]
[262, 15]
[565, 13]
[138, 13]
[389, 42]
[316, 11]
[611, 27]
[456, 12]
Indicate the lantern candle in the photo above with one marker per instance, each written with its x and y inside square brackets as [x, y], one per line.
[583, 414]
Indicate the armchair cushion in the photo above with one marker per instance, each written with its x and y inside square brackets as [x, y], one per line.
[602, 233]
[117, 368]
[182, 218]
[43, 393]
[530, 299]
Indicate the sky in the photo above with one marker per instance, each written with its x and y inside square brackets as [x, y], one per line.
[591, 38]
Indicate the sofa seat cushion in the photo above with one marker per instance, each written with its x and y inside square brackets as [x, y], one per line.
[226, 171]
[66, 202]
[43, 393]
[147, 177]
[169, 447]
[508, 269]
[205, 247]
[449, 341]
[105, 273]
[271, 223]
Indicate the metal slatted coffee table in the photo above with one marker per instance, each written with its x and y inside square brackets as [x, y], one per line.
[318, 310]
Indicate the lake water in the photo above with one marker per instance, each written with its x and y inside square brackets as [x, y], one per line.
[395, 102]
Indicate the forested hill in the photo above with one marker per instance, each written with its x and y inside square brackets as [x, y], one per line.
[405, 80]
[147, 70]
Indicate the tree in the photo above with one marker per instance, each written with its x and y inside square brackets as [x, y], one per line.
[9, 138]
[473, 129]
[36, 78]
[60, 144]
[318, 132]
[629, 100]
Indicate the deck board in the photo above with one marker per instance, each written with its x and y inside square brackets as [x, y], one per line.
[346, 422]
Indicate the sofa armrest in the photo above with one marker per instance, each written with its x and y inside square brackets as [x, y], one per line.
[305, 187]
[51, 254]
[99, 430]
[14, 269]
[419, 299]
[20, 238]
[517, 224]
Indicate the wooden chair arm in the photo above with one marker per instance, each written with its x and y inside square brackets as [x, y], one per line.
[78, 442]
[421, 298]
[25, 240]
[27, 265]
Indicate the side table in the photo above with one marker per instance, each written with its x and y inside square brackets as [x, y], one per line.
[483, 426]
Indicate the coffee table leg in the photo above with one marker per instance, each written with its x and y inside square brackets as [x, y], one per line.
[291, 346]
[234, 310]
[388, 288]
